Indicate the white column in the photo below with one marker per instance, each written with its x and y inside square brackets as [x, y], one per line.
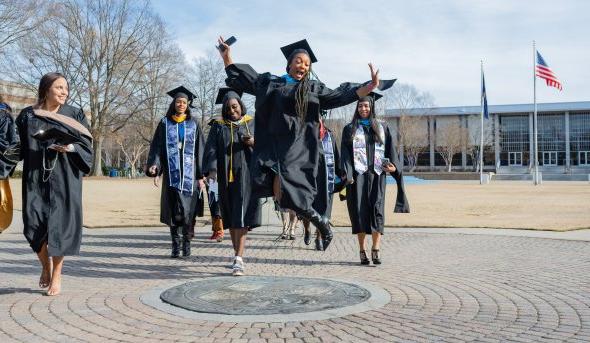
[432, 138]
[567, 141]
[496, 140]
[531, 142]
[463, 121]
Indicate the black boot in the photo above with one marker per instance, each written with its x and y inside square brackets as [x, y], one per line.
[318, 244]
[186, 241]
[323, 225]
[175, 242]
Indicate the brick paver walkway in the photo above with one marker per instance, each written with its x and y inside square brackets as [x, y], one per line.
[444, 287]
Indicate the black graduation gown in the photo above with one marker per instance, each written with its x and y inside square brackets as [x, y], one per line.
[365, 198]
[176, 208]
[324, 198]
[238, 208]
[9, 144]
[285, 146]
[52, 200]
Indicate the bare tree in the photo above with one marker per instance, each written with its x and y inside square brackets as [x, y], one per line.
[450, 138]
[102, 48]
[132, 146]
[412, 105]
[207, 76]
[474, 140]
[16, 20]
[411, 138]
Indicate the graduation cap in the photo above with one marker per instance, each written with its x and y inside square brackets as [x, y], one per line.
[226, 94]
[182, 92]
[300, 46]
[372, 97]
[58, 136]
[385, 84]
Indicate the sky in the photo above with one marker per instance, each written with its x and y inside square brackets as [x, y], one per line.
[436, 46]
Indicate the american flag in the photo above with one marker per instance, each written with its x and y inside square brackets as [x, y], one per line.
[543, 71]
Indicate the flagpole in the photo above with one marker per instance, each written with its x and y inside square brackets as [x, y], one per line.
[481, 137]
[536, 147]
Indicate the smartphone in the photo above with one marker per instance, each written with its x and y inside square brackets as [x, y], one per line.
[231, 40]
[385, 161]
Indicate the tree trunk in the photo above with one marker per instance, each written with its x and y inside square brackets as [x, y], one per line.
[97, 163]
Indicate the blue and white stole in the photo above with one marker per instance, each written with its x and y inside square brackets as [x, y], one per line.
[359, 148]
[181, 178]
[330, 161]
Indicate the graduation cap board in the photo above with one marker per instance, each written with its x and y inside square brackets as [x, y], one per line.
[182, 92]
[288, 50]
[228, 93]
[56, 135]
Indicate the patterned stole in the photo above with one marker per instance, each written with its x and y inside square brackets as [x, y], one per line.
[181, 178]
[359, 147]
[330, 163]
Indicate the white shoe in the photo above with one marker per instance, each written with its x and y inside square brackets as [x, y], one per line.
[238, 267]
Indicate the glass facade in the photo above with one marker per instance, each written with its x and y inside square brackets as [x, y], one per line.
[551, 139]
[514, 138]
[580, 138]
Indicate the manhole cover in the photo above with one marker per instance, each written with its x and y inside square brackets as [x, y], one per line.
[266, 298]
[264, 295]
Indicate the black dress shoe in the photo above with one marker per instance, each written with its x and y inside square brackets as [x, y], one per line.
[323, 225]
[375, 256]
[364, 258]
[307, 237]
[318, 245]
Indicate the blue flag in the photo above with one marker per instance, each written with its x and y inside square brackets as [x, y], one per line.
[484, 97]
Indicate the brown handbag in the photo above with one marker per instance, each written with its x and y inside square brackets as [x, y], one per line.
[5, 204]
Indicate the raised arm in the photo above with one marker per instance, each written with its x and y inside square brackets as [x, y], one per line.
[347, 93]
[225, 55]
[368, 88]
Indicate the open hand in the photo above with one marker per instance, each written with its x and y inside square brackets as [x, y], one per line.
[374, 76]
[62, 148]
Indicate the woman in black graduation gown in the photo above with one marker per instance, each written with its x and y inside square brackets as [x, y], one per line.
[368, 154]
[228, 153]
[176, 152]
[286, 155]
[9, 151]
[52, 176]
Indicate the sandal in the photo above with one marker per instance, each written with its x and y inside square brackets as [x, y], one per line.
[364, 258]
[375, 256]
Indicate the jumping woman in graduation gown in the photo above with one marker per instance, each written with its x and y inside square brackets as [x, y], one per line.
[227, 158]
[176, 152]
[286, 155]
[52, 177]
[368, 154]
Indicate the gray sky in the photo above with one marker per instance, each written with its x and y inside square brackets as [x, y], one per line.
[435, 45]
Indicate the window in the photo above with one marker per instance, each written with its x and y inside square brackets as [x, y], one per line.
[515, 159]
[549, 158]
[584, 158]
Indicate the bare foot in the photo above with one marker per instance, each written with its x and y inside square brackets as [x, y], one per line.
[45, 278]
[54, 286]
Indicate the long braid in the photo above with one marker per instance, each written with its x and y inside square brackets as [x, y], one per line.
[302, 97]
